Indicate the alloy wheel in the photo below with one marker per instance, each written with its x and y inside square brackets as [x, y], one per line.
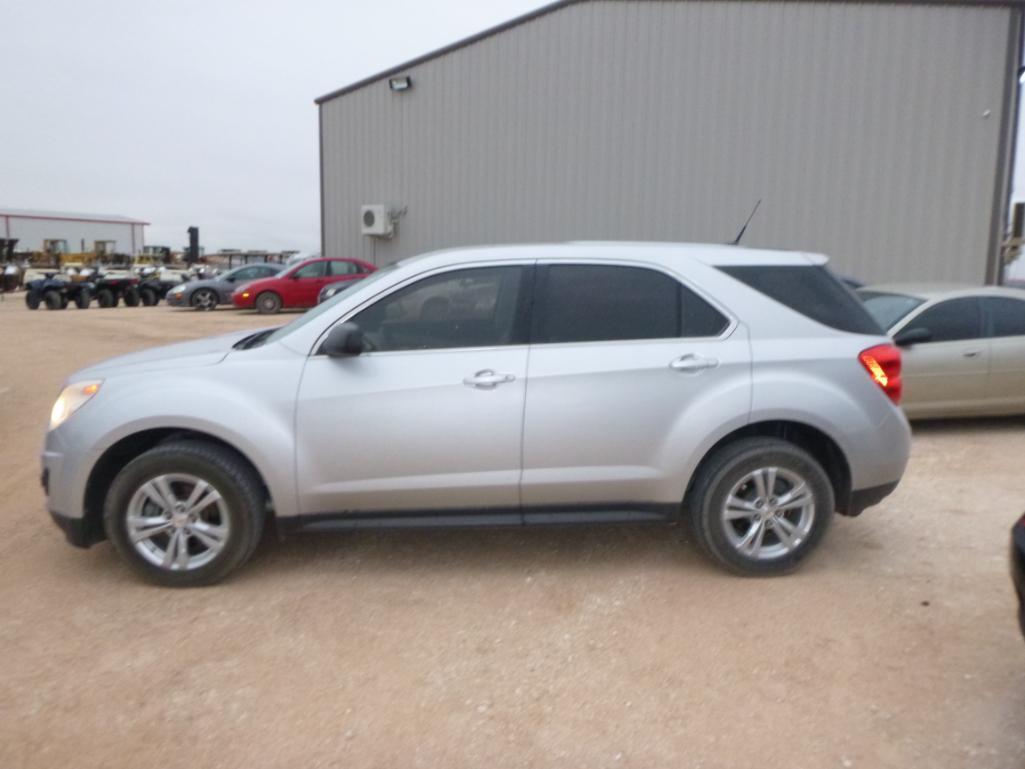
[768, 513]
[178, 522]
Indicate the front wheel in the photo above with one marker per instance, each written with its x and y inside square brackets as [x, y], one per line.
[131, 297]
[105, 298]
[186, 513]
[33, 299]
[82, 299]
[149, 297]
[203, 299]
[268, 303]
[760, 506]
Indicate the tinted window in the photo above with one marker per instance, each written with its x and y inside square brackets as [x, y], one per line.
[248, 273]
[811, 290]
[1006, 316]
[950, 320]
[315, 270]
[886, 308]
[591, 303]
[466, 308]
[343, 268]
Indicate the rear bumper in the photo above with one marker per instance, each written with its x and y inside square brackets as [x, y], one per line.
[862, 499]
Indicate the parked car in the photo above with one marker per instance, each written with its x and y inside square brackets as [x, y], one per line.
[964, 347]
[300, 285]
[745, 392]
[208, 293]
[1018, 567]
[56, 292]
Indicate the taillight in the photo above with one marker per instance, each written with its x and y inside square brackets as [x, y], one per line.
[882, 363]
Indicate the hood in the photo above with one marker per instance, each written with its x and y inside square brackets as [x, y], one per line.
[201, 352]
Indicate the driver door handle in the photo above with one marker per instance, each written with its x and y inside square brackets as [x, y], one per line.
[972, 353]
[487, 379]
[693, 363]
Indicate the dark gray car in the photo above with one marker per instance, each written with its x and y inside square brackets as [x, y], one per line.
[207, 294]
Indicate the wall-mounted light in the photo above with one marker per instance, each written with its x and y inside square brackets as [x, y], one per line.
[400, 83]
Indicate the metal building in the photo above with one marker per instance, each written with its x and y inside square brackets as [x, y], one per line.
[77, 232]
[881, 134]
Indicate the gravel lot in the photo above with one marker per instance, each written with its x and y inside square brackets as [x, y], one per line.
[896, 646]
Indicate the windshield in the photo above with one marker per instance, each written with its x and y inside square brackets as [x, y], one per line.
[320, 309]
[886, 308]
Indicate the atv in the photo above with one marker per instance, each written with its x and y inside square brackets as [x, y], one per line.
[153, 287]
[57, 292]
[110, 289]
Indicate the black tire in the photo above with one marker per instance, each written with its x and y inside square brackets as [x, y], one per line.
[105, 298]
[717, 477]
[226, 471]
[131, 297]
[53, 299]
[268, 303]
[65, 301]
[82, 299]
[149, 297]
[203, 299]
[32, 299]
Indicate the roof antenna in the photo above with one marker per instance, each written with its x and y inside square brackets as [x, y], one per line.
[736, 241]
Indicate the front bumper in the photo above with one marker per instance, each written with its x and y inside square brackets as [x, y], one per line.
[176, 300]
[1018, 568]
[80, 532]
[243, 303]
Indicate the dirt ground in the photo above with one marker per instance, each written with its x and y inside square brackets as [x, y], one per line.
[896, 646]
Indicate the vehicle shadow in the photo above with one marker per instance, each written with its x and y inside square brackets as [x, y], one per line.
[513, 550]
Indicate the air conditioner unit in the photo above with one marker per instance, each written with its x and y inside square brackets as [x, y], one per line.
[376, 220]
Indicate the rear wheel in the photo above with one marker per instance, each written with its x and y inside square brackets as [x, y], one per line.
[268, 303]
[185, 513]
[105, 297]
[149, 297]
[203, 299]
[760, 506]
[131, 297]
[53, 300]
[82, 299]
[32, 299]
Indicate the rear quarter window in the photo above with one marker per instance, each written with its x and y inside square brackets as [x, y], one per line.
[811, 290]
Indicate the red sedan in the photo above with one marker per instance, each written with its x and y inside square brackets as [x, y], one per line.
[299, 285]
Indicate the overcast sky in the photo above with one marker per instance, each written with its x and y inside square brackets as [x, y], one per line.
[196, 111]
[201, 111]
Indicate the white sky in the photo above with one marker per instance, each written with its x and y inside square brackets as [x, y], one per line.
[201, 111]
[196, 111]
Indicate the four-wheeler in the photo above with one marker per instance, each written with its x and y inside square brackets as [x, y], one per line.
[56, 292]
[1018, 567]
[300, 285]
[745, 393]
[111, 289]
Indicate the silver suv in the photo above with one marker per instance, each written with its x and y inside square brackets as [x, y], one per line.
[746, 392]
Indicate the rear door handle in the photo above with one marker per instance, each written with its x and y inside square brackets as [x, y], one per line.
[972, 353]
[687, 363]
[487, 379]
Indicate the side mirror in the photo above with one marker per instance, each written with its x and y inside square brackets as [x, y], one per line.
[343, 341]
[912, 336]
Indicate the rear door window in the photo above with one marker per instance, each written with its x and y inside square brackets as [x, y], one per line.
[1006, 316]
[596, 303]
[812, 291]
[343, 268]
[950, 321]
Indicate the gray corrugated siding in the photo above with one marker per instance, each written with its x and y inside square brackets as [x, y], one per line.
[860, 125]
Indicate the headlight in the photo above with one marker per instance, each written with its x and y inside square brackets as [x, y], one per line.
[177, 290]
[71, 399]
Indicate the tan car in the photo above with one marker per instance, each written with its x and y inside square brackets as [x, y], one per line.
[963, 347]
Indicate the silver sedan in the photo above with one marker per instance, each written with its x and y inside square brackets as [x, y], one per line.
[207, 294]
[963, 347]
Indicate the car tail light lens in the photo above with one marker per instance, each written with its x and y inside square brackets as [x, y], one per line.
[882, 363]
